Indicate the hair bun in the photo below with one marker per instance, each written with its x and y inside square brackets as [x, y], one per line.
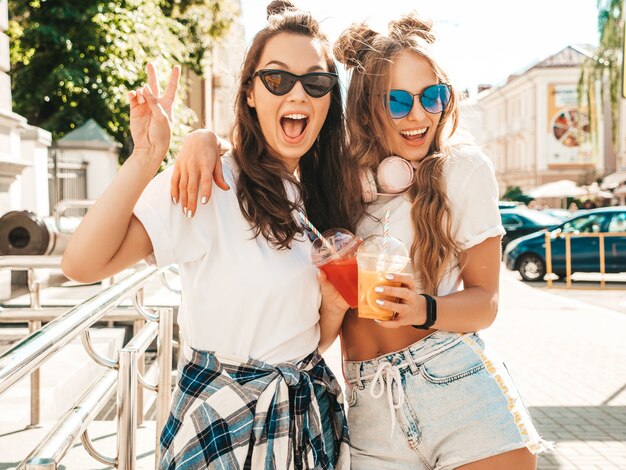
[279, 7]
[353, 43]
[412, 25]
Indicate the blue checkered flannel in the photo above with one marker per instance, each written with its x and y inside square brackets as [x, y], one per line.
[231, 415]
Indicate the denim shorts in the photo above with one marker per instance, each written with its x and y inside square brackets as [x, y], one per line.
[443, 402]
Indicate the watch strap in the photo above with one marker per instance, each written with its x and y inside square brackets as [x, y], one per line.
[431, 313]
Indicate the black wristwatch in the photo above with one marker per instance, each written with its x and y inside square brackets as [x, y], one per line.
[431, 313]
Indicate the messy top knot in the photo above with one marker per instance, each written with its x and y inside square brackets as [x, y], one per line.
[353, 43]
[279, 7]
[412, 25]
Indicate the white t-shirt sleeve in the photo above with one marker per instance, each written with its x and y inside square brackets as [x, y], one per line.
[175, 238]
[473, 193]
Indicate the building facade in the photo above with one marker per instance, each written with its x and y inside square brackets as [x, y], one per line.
[535, 131]
[212, 97]
[23, 148]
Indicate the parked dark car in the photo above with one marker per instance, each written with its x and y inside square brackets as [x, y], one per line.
[522, 221]
[528, 254]
[562, 214]
[508, 204]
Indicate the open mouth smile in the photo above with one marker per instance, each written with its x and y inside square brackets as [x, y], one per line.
[293, 126]
[414, 136]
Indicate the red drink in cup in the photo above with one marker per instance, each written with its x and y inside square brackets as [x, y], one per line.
[337, 258]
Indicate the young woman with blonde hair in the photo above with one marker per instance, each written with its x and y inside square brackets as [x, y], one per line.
[252, 391]
[424, 390]
[453, 400]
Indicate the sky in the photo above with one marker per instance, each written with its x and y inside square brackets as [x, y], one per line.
[480, 41]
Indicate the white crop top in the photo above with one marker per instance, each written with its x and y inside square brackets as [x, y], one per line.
[472, 190]
[240, 296]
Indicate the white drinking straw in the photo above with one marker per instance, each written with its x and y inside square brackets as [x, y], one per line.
[386, 230]
[317, 233]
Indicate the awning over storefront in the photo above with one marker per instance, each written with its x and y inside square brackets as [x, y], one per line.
[614, 180]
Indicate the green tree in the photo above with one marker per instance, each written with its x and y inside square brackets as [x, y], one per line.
[604, 67]
[515, 193]
[77, 59]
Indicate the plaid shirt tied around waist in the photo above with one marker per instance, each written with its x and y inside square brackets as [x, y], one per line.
[227, 414]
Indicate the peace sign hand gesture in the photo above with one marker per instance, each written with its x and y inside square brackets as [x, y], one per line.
[151, 113]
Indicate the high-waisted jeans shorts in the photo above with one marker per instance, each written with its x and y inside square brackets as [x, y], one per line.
[443, 402]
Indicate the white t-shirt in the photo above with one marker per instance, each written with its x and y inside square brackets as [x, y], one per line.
[472, 190]
[240, 296]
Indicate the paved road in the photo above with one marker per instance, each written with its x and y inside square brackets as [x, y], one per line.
[567, 353]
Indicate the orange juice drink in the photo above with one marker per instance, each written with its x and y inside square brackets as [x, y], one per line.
[368, 308]
[376, 257]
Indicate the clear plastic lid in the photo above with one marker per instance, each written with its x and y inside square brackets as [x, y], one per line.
[376, 253]
[339, 241]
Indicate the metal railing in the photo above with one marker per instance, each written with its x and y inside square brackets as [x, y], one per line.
[568, 254]
[61, 207]
[67, 179]
[30, 353]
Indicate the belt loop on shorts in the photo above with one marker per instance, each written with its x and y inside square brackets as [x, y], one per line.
[359, 382]
[410, 360]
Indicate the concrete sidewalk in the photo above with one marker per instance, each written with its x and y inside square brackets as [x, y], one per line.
[568, 359]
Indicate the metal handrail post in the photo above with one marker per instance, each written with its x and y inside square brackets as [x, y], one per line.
[137, 326]
[127, 396]
[127, 410]
[34, 290]
[35, 383]
[164, 387]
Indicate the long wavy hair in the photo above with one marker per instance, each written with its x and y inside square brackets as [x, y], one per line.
[368, 55]
[327, 178]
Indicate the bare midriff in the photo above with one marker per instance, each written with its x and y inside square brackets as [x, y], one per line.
[364, 339]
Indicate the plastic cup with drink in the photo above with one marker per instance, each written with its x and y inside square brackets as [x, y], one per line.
[376, 257]
[337, 259]
[334, 252]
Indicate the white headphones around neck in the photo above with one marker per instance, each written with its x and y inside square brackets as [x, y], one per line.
[394, 176]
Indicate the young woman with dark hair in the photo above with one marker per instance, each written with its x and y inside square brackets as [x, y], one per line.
[253, 390]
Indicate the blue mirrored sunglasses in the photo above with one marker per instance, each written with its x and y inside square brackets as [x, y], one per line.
[434, 99]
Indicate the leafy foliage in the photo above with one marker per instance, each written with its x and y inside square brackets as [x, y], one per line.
[515, 193]
[77, 59]
[605, 66]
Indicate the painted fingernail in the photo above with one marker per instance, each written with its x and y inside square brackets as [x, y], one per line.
[189, 214]
[389, 277]
[379, 289]
[174, 200]
[204, 200]
[185, 211]
[380, 302]
[377, 321]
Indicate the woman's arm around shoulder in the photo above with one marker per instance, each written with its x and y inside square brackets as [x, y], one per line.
[196, 167]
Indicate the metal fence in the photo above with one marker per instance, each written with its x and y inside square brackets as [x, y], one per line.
[568, 254]
[67, 179]
[124, 374]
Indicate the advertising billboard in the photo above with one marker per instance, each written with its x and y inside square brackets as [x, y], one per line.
[569, 131]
